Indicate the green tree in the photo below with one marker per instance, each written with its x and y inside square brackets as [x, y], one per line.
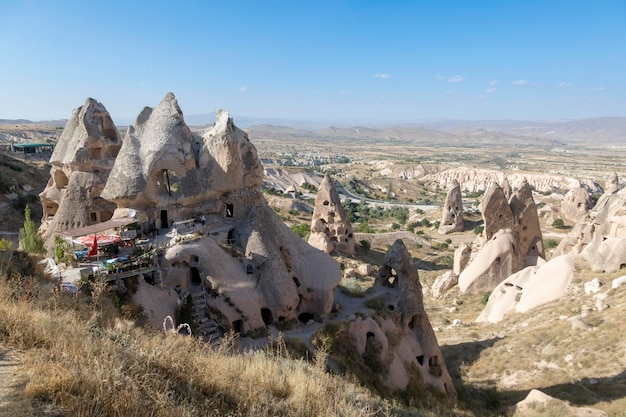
[365, 244]
[402, 214]
[30, 239]
[558, 223]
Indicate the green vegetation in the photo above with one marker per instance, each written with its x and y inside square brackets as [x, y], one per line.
[301, 229]
[479, 229]
[30, 239]
[363, 212]
[309, 187]
[551, 243]
[62, 251]
[594, 198]
[6, 244]
[364, 227]
[485, 298]
[558, 223]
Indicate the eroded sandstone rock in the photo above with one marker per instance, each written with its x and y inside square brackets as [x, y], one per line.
[529, 288]
[600, 236]
[526, 223]
[81, 162]
[496, 211]
[243, 268]
[330, 227]
[452, 213]
[576, 204]
[499, 258]
[443, 283]
[520, 244]
[402, 339]
[461, 258]
[536, 399]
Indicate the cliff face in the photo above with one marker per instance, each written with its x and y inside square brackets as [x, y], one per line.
[475, 179]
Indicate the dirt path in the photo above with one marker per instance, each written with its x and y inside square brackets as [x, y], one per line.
[11, 384]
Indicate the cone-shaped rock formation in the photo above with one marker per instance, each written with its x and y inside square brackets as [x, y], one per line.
[330, 227]
[452, 215]
[514, 239]
[81, 163]
[415, 344]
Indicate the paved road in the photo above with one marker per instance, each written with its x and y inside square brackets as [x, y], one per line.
[344, 193]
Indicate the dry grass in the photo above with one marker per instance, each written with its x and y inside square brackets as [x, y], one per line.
[540, 349]
[80, 359]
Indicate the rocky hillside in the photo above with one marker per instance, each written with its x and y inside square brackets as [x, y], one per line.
[19, 184]
[477, 179]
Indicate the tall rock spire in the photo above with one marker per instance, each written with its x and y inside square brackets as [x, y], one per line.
[330, 227]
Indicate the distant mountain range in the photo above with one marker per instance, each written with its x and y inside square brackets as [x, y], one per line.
[54, 123]
[597, 130]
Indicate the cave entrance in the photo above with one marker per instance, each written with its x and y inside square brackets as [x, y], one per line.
[164, 222]
[305, 317]
[267, 317]
[230, 238]
[195, 276]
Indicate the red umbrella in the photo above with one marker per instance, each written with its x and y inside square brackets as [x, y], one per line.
[94, 247]
[102, 240]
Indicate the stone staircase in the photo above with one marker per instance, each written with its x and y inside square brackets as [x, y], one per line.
[207, 328]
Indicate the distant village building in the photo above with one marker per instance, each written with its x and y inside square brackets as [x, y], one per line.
[29, 148]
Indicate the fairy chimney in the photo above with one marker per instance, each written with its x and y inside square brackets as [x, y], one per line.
[330, 227]
[81, 163]
[452, 215]
[526, 222]
[415, 345]
[496, 211]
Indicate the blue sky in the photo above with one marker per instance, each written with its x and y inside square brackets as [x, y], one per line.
[316, 60]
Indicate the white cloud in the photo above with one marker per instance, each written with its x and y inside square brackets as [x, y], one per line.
[522, 82]
[564, 85]
[456, 79]
[243, 89]
[598, 89]
[382, 76]
[345, 92]
[494, 82]
[490, 90]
